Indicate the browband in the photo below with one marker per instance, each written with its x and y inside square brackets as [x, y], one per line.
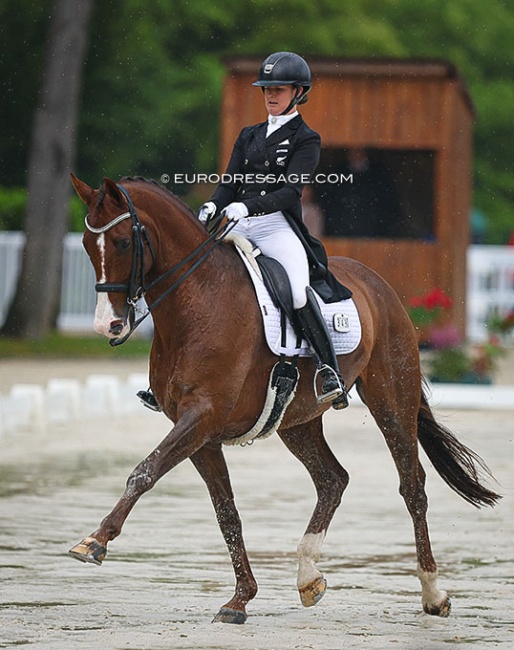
[111, 224]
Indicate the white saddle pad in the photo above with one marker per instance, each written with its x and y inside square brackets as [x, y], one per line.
[342, 318]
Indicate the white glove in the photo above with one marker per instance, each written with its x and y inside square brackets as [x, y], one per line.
[207, 211]
[235, 211]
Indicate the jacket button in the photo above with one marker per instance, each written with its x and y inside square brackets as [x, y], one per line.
[263, 192]
[266, 162]
[246, 161]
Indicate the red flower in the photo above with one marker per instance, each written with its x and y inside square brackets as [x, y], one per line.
[426, 310]
[434, 299]
[437, 299]
[417, 301]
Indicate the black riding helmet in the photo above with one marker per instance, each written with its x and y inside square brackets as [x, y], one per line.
[286, 69]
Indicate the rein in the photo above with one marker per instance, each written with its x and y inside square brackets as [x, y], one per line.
[135, 290]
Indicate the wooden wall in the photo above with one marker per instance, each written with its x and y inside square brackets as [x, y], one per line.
[388, 104]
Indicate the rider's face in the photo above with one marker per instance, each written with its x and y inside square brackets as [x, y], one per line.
[278, 98]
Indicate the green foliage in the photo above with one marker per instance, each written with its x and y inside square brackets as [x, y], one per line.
[57, 346]
[154, 74]
[23, 25]
[450, 365]
[461, 364]
[77, 213]
[13, 201]
[12, 207]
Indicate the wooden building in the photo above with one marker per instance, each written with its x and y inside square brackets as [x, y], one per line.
[394, 180]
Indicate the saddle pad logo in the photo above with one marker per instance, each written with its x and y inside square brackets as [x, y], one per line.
[341, 323]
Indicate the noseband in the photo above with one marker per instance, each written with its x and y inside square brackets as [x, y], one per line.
[136, 288]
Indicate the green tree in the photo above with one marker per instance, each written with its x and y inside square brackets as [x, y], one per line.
[154, 74]
[36, 302]
[22, 31]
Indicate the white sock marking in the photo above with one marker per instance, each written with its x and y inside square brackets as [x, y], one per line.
[431, 595]
[309, 552]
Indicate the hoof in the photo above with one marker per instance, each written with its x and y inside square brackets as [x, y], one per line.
[313, 592]
[234, 616]
[442, 610]
[89, 550]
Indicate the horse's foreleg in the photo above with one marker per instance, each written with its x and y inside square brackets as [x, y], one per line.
[210, 463]
[93, 548]
[308, 444]
[179, 444]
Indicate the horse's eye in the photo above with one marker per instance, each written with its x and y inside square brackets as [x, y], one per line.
[123, 244]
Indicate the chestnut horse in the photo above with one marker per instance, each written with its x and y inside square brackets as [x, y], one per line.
[209, 370]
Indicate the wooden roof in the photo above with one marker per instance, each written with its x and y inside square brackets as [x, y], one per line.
[366, 67]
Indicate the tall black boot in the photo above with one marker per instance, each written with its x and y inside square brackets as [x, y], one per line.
[315, 330]
[148, 399]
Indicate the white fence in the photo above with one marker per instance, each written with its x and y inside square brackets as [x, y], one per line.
[490, 284]
[78, 296]
[11, 244]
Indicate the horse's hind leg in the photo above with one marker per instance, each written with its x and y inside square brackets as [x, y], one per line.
[308, 444]
[211, 465]
[396, 411]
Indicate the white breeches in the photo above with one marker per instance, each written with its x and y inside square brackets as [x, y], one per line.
[275, 238]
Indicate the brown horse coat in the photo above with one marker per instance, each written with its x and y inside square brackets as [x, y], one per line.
[209, 369]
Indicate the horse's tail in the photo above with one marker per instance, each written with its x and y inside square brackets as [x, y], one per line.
[458, 466]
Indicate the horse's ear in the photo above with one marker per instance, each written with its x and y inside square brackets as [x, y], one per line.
[113, 190]
[83, 190]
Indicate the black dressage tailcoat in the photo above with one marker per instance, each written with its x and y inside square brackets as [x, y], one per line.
[267, 175]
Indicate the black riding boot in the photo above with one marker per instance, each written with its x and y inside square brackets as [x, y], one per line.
[315, 330]
[148, 399]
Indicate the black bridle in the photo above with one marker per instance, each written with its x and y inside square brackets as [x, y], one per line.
[136, 287]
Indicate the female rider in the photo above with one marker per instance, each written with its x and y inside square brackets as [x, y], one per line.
[262, 187]
[261, 190]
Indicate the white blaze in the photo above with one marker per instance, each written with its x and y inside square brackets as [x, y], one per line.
[104, 313]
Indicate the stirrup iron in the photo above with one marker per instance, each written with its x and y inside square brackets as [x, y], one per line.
[331, 387]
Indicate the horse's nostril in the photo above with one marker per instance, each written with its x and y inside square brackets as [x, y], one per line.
[116, 326]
